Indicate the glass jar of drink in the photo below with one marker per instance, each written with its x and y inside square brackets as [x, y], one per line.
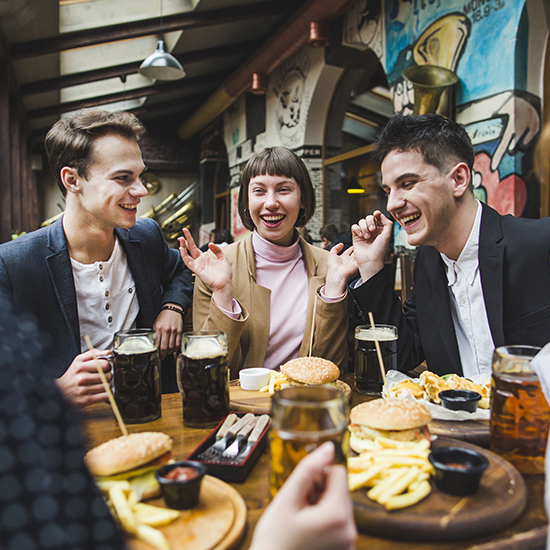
[203, 378]
[302, 419]
[519, 411]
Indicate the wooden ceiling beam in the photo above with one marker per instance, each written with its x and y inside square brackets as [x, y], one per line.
[75, 79]
[57, 109]
[135, 29]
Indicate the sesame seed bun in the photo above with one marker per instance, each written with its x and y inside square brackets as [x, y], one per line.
[391, 414]
[127, 452]
[311, 370]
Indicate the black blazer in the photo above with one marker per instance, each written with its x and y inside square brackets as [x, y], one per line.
[36, 277]
[514, 263]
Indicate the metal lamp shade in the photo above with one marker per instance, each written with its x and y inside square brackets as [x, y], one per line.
[161, 65]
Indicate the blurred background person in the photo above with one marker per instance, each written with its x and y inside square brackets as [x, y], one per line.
[331, 236]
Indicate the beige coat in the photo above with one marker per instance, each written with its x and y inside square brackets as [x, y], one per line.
[247, 337]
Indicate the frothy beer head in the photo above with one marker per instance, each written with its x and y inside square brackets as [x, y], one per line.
[204, 348]
[382, 334]
[133, 346]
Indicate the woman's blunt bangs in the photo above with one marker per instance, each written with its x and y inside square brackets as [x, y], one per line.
[277, 161]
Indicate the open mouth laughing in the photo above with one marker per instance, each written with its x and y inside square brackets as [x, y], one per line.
[407, 221]
[272, 220]
[129, 207]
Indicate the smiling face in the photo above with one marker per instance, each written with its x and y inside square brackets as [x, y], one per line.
[274, 203]
[420, 198]
[110, 194]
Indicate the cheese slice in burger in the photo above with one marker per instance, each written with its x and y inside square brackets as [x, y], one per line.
[398, 419]
[135, 458]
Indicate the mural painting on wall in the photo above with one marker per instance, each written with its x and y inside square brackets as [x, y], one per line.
[289, 84]
[478, 40]
[234, 122]
[364, 27]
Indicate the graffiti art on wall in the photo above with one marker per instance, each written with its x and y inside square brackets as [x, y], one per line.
[289, 86]
[479, 41]
[363, 27]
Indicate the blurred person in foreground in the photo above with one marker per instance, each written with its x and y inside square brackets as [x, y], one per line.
[272, 293]
[481, 280]
[331, 236]
[98, 269]
[221, 237]
[49, 499]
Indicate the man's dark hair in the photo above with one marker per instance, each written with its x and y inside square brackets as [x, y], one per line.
[328, 232]
[221, 236]
[277, 161]
[70, 140]
[440, 140]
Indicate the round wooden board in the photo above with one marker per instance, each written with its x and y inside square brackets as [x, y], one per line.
[500, 499]
[217, 523]
[472, 431]
[260, 403]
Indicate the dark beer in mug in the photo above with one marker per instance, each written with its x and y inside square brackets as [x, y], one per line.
[368, 377]
[137, 382]
[203, 378]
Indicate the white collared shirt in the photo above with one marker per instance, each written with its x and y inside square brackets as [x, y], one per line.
[106, 298]
[473, 334]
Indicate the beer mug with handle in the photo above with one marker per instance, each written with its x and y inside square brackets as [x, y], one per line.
[203, 378]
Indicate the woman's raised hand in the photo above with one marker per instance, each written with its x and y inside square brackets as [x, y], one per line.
[214, 271]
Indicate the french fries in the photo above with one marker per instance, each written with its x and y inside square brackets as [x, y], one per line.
[397, 472]
[136, 518]
[276, 381]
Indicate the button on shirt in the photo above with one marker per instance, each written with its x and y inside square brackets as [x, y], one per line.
[106, 298]
[473, 334]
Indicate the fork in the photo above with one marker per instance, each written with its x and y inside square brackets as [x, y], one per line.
[219, 446]
[240, 440]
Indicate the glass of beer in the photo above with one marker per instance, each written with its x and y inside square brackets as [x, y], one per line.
[136, 380]
[519, 411]
[203, 378]
[303, 418]
[368, 377]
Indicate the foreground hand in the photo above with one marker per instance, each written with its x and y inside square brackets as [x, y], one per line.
[81, 384]
[340, 268]
[214, 271]
[292, 522]
[169, 328]
[371, 237]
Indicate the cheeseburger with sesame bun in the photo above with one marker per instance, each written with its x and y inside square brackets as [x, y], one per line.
[398, 419]
[134, 457]
[309, 371]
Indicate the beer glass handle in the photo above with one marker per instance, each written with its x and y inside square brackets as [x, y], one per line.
[179, 366]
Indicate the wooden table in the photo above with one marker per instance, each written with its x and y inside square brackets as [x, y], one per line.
[528, 533]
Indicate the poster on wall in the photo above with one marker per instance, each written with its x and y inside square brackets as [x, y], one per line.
[234, 122]
[238, 230]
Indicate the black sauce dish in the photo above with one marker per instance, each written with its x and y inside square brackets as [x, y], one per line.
[460, 400]
[181, 492]
[457, 470]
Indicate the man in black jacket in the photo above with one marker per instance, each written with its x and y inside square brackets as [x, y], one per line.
[481, 280]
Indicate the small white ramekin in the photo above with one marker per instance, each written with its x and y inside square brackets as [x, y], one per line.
[253, 379]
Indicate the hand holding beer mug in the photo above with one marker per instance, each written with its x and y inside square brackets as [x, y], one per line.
[368, 377]
[519, 411]
[136, 379]
[303, 418]
[203, 378]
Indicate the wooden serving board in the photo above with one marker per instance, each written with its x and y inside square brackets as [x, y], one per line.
[217, 523]
[500, 499]
[257, 402]
[472, 431]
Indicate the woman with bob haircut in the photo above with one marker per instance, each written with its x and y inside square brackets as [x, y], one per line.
[272, 293]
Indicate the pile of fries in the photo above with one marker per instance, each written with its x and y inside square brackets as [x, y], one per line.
[431, 385]
[276, 382]
[137, 519]
[398, 472]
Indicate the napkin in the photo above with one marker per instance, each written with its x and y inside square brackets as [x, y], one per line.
[438, 412]
[541, 365]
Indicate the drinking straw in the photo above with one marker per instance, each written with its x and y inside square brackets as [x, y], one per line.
[106, 386]
[377, 344]
[312, 324]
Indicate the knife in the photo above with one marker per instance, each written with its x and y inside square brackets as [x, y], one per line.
[241, 438]
[231, 430]
[262, 422]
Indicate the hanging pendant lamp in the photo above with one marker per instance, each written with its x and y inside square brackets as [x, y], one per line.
[161, 65]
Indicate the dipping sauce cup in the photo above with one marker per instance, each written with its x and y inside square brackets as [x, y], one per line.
[253, 379]
[457, 470]
[460, 400]
[180, 483]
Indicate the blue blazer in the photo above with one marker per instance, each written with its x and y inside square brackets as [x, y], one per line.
[36, 278]
[514, 256]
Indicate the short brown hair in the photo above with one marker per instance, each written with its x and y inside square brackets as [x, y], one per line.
[277, 161]
[70, 140]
